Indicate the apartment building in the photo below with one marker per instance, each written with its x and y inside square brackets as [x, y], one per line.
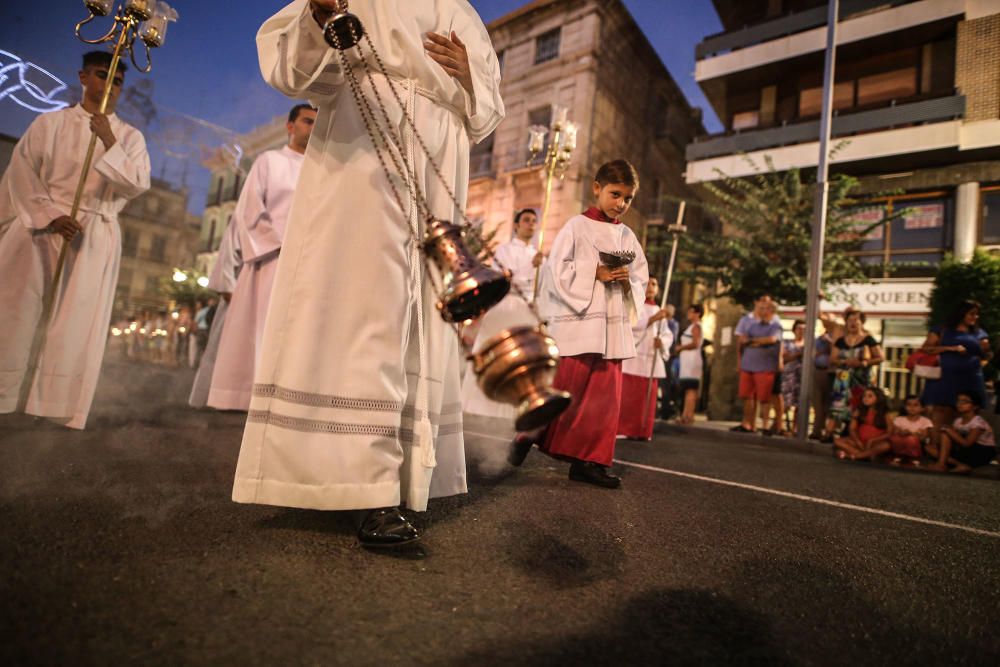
[917, 115]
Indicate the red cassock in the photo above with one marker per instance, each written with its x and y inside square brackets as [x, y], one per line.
[631, 422]
[587, 430]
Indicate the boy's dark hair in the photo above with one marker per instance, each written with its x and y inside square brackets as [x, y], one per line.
[297, 109]
[101, 59]
[797, 323]
[618, 171]
[523, 211]
[881, 408]
[972, 399]
[698, 308]
[912, 397]
[763, 295]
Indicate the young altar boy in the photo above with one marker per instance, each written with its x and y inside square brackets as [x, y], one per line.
[591, 308]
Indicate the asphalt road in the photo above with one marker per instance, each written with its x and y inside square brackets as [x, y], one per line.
[120, 545]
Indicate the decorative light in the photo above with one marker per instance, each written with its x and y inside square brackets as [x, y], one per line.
[175, 315]
[16, 84]
[203, 281]
[115, 331]
[179, 276]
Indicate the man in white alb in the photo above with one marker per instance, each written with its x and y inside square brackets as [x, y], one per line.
[260, 219]
[356, 399]
[36, 198]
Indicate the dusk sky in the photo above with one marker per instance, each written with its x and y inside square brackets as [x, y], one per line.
[208, 66]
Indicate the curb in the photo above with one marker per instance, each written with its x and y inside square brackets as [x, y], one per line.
[715, 434]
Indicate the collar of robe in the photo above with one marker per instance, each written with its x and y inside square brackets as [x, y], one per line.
[595, 213]
[83, 113]
[651, 302]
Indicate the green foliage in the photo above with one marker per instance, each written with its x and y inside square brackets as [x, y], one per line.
[480, 243]
[767, 233]
[186, 292]
[978, 280]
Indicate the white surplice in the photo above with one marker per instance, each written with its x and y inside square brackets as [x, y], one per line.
[222, 280]
[356, 398]
[517, 257]
[38, 187]
[584, 314]
[260, 218]
[645, 351]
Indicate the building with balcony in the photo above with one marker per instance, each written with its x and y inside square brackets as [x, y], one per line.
[591, 57]
[228, 174]
[158, 235]
[916, 113]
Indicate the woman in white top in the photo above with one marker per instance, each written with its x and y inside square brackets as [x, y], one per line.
[691, 362]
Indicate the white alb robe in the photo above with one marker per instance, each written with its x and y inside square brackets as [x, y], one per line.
[223, 280]
[260, 218]
[38, 187]
[584, 314]
[645, 351]
[356, 398]
[517, 257]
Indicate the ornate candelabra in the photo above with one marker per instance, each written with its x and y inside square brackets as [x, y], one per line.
[557, 159]
[143, 19]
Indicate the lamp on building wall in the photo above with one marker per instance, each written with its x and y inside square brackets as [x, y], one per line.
[556, 164]
[143, 19]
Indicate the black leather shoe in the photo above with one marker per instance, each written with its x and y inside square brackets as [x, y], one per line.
[386, 527]
[519, 448]
[593, 473]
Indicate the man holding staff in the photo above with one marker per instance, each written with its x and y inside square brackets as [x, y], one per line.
[36, 196]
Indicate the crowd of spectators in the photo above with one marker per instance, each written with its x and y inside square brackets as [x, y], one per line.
[170, 338]
[939, 430]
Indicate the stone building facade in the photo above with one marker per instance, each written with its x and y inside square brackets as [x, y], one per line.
[158, 235]
[591, 57]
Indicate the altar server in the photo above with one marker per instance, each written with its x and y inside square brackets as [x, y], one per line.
[36, 198]
[590, 315]
[260, 219]
[356, 401]
[521, 258]
[653, 340]
[228, 262]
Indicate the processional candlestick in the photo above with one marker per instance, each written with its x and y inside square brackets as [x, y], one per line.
[557, 159]
[147, 20]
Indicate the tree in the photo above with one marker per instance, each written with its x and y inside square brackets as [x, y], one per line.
[979, 280]
[767, 232]
[185, 288]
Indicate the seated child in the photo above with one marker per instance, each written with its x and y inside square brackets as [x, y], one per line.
[869, 435]
[968, 443]
[909, 431]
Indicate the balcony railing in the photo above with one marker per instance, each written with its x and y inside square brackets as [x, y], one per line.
[884, 118]
[786, 25]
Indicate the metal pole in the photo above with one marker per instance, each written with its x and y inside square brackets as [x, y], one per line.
[819, 225]
[677, 229]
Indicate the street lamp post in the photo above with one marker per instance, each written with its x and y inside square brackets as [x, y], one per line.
[819, 225]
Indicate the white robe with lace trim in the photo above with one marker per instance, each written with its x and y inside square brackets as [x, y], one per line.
[222, 279]
[260, 218]
[38, 187]
[356, 398]
[586, 315]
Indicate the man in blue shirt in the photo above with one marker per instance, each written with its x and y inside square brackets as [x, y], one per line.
[758, 340]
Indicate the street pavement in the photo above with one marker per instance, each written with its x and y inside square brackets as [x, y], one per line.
[119, 545]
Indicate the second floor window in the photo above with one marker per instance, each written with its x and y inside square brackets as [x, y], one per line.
[158, 250]
[547, 46]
